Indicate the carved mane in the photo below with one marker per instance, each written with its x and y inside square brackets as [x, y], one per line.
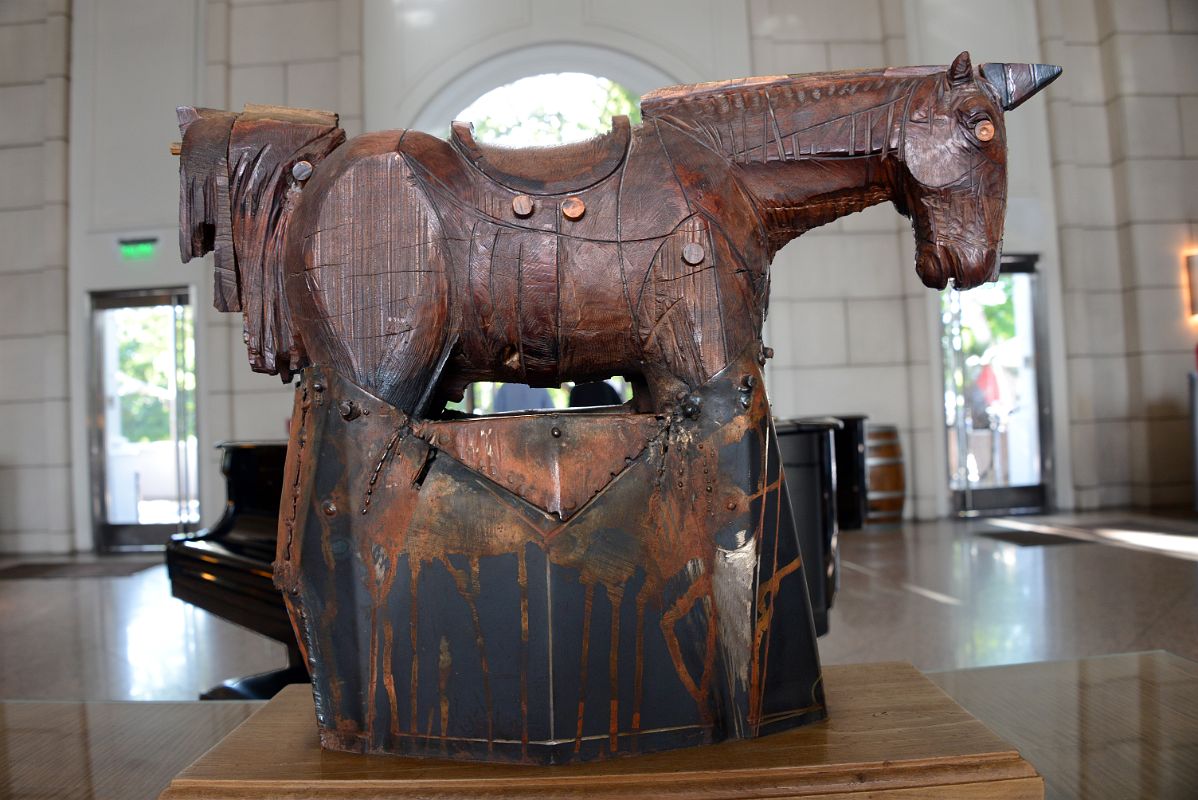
[787, 117]
[237, 194]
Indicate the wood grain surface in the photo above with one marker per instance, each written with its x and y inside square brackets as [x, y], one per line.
[892, 733]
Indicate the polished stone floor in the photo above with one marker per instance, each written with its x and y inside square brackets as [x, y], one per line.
[936, 594]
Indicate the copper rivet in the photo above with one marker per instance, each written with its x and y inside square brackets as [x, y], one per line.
[984, 130]
[301, 171]
[522, 205]
[693, 253]
[329, 507]
[573, 208]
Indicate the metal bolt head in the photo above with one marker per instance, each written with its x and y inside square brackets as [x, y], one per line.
[302, 170]
[692, 406]
[573, 208]
[984, 130]
[556, 433]
[349, 409]
[693, 253]
[329, 508]
[522, 205]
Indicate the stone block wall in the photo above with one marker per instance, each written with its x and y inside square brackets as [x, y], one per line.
[35, 507]
[1125, 174]
[304, 53]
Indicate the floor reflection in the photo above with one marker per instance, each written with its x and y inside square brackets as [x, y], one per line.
[942, 597]
[935, 594]
[118, 639]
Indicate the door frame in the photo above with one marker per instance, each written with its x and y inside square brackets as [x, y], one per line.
[1037, 498]
[109, 537]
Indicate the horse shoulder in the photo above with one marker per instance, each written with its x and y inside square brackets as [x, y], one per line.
[371, 232]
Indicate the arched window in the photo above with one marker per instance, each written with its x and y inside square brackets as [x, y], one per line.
[549, 109]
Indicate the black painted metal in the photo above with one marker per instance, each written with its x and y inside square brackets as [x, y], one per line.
[811, 472]
[569, 640]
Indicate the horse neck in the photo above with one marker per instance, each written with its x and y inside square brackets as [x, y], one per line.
[814, 148]
[795, 196]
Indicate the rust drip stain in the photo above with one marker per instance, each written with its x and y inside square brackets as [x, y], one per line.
[389, 675]
[468, 590]
[770, 586]
[413, 696]
[522, 580]
[587, 606]
[698, 591]
[615, 597]
[444, 669]
[372, 682]
[639, 665]
[765, 603]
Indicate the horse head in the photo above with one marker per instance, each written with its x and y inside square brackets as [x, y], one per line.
[953, 178]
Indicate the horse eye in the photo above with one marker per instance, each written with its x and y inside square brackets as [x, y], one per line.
[984, 130]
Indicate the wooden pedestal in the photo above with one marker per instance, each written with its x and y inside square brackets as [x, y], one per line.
[891, 734]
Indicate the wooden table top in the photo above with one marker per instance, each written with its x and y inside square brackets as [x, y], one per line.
[1116, 726]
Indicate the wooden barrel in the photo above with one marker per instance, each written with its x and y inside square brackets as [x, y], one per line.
[887, 486]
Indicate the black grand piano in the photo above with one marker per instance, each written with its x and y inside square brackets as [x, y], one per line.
[226, 569]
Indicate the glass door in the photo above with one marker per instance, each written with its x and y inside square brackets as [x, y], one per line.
[996, 406]
[144, 476]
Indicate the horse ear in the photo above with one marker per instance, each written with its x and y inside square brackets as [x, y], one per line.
[961, 71]
[1015, 83]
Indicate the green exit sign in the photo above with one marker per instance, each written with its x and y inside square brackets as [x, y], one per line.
[138, 249]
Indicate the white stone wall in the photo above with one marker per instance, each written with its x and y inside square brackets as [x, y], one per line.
[1125, 152]
[35, 508]
[305, 53]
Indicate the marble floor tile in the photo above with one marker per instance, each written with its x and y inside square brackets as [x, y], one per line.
[935, 594]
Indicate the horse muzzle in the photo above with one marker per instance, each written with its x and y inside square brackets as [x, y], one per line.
[965, 267]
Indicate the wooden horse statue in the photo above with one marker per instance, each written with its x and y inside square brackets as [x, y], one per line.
[558, 586]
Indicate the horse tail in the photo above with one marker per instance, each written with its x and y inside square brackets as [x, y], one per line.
[239, 185]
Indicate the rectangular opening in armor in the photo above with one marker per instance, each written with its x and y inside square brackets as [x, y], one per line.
[485, 397]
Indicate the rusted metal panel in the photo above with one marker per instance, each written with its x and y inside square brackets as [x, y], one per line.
[445, 615]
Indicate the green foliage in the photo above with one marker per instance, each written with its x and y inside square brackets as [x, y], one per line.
[145, 418]
[145, 361]
[1001, 317]
[554, 117]
[620, 101]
